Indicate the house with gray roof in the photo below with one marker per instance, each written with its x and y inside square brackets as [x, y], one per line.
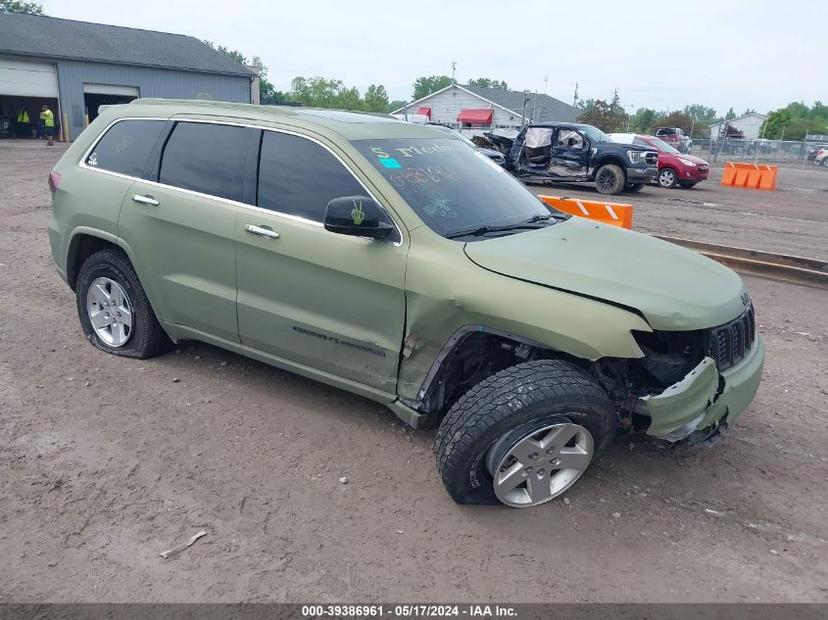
[76, 66]
[475, 110]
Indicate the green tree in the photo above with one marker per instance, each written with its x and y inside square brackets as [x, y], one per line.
[730, 115]
[677, 119]
[428, 84]
[607, 116]
[643, 121]
[487, 83]
[29, 8]
[795, 121]
[376, 99]
[396, 105]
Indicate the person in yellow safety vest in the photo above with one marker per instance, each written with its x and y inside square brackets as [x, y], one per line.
[47, 119]
[22, 128]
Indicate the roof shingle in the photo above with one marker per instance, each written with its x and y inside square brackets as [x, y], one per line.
[52, 37]
[546, 108]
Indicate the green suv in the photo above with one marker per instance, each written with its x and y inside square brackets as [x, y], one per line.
[394, 261]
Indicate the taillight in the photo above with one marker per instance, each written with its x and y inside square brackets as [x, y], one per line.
[54, 181]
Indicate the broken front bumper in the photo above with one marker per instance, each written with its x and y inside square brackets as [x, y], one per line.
[704, 397]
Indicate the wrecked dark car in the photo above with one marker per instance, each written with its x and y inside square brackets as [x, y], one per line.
[571, 152]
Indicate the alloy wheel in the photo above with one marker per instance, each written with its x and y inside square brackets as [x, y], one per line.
[110, 311]
[666, 178]
[540, 465]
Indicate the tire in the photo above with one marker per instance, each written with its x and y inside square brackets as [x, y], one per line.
[667, 178]
[484, 424]
[107, 270]
[609, 179]
[825, 162]
[634, 188]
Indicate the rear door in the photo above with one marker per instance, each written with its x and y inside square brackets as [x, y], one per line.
[181, 225]
[330, 302]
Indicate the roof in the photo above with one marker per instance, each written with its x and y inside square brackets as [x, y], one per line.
[546, 108]
[738, 118]
[52, 37]
[348, 125]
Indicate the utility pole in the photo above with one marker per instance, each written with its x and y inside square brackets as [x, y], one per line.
[453, 69]
[523, 110]
[575, 98]
[545, 83]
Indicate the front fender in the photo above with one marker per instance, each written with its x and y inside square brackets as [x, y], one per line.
[447, 294]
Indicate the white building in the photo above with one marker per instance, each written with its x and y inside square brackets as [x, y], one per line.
[749, 124]
[475, 110]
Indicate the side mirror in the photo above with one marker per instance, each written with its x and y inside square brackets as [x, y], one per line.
[356, 215]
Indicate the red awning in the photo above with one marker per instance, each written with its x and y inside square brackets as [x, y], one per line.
[425, 112]
[475, 116]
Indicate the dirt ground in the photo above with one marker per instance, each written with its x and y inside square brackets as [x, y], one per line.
[792, 220]
[105, 462]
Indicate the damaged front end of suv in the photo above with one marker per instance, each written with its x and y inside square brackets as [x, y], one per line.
[689, 384]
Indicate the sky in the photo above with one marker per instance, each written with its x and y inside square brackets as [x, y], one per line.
[663, 55]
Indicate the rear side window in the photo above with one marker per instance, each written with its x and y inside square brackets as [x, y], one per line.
[299, 177]
[126, 147]
[206, 158]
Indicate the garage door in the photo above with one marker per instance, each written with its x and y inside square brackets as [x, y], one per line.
[28, 79]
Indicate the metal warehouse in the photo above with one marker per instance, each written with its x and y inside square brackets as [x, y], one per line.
[475, 109]
[74, 67]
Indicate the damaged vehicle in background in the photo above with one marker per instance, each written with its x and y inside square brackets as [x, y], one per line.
[493, 154]
[391, 260]
[568, 153]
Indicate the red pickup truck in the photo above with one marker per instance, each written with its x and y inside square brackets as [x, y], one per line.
[675, 137]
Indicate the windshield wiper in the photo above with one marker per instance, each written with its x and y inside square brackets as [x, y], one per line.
[483, 230]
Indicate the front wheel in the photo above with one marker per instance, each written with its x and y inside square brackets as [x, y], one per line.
[666, 178]
[609, 179]
[524, 435]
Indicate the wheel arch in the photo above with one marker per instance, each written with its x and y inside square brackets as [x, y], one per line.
[85, 241]
[610, 159]
[471, 354]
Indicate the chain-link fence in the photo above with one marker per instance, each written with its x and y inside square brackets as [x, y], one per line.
[766, 151]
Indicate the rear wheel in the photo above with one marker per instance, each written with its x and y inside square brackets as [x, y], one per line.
[524, 435]
[113, 308]
[666, 177]
[609, 179]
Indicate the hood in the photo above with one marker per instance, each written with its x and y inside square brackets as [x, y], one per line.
[693, 158]
[672, 287]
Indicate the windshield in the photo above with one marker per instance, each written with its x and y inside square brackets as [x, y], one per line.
[594, 134]
[450, 186]
[661, 145]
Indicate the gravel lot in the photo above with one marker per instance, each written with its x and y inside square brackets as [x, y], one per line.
[791, 220]
[106, 461]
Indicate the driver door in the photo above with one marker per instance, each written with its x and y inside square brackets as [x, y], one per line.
[318, 300]
[569, 154]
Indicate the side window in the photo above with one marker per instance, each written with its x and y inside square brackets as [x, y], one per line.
[299, 177]
[569, 138]
[206, 158]
[126, 147]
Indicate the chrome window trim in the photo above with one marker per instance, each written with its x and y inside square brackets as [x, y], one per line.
[288, 216]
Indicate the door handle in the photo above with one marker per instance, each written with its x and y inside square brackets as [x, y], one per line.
[146, 200]
[261, 231]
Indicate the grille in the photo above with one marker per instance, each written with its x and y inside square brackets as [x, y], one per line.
[729, 343]
[651, 159]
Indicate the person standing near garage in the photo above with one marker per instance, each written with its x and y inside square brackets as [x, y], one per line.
[22, 125]
[47, 121]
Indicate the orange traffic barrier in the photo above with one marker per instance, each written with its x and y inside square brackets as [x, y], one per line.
[750, 176]
[613, 213]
